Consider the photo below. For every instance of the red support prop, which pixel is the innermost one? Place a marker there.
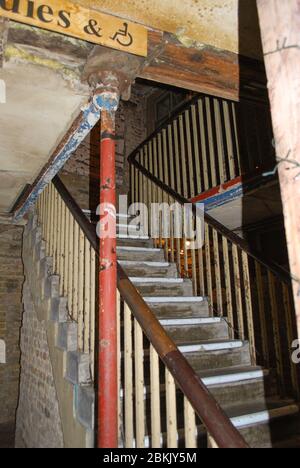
(107, 375)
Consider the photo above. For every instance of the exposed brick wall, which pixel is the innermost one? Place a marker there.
(11, 283)
(81, 172)
(38, 418)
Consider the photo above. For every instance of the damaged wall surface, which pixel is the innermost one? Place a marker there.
(38, 418)
(44, 94)
(11, 283)
(225, 24)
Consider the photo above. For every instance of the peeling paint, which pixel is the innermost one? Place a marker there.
(230, 25)
(88, 120)
(20, 54)
(43, 32)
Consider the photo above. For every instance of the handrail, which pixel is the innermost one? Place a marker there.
(277, 270)
(213, 417)
(179, 110)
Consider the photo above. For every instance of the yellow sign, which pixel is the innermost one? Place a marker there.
(76, 21)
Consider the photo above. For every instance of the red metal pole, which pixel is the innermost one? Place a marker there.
(108, 379)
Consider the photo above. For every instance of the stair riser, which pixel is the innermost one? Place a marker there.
(144, 256)
(240, 392)
(196, 333)
(219, 359)
(166, 289)
(267, 435)
(135, 243)
(183, 310)
(152, 272)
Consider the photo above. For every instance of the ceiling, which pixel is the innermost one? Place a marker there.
(43, 97)
(226, 24)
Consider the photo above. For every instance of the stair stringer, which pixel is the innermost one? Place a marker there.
(78, 431)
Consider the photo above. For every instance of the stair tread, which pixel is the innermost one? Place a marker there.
(211, 342)
(144, 263)
(227, 371)
(274, 407)
(138, 249)
(174, 299)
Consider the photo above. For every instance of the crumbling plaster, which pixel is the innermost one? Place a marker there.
(44, 94)
(225, 24)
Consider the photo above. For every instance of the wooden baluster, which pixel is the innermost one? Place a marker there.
(203, 144)
(132, 183)
(71, 259)
(59, 231)
(119, 357)
(172, 157)
(236, 137)
(208, 268)
(291, 333)
(178, 181)
(81, 291)
(190, 155)
(172, 438)
(139, 385)
(276, 330)
(155, 399)
(238, 291)
(262, 314)
(75, 274)
(62, 247)
(55, 233)
(166, 197)
(183, 174)
(220, 143)
(228, 285)
(196, 155)
(213, 170)
(229, 141)
(66, 252)
(193, 257)
(87, 295)
(93, 310)
(128, 371)
(51, 189)
(249, 307)
(218, 273)
(190, 428)
(48, 231)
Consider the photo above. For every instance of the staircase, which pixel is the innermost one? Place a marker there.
(155, 408)
(248, 393)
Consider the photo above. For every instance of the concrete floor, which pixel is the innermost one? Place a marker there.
(7, 436)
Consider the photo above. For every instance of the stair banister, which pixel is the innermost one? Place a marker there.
(219, 426)
(251, 291)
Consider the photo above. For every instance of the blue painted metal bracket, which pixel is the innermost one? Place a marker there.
(88, 119)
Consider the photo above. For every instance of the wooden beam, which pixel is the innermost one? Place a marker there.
(204, 70)
(280, 29)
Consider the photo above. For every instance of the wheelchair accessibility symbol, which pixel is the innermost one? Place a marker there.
(123, 37)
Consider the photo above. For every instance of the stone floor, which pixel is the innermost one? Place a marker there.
(7, 436)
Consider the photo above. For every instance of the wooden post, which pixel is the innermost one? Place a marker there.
(280, 29)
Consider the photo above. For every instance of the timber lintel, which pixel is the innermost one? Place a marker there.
(203, 69)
